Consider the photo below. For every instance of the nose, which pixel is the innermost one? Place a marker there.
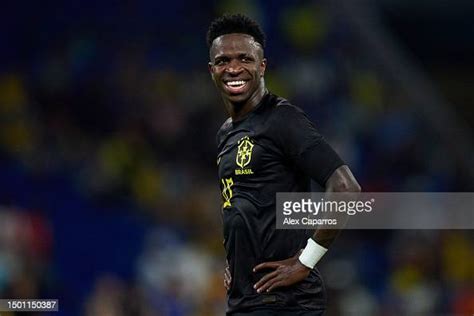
(234, 67)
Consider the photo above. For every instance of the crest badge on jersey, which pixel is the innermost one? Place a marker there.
(244, 155)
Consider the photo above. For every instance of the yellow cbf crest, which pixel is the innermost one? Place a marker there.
(244, 152)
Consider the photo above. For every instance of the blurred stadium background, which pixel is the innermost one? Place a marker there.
(109, 197)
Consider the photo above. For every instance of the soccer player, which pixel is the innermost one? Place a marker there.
(267, 146)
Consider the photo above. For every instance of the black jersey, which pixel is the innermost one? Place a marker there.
(275, 148)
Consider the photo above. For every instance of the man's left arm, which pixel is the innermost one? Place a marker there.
(342, 180)
(298, 267)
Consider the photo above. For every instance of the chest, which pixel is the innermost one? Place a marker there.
(247, 154)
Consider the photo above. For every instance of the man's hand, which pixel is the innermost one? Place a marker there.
(286, 272)
(227, 277)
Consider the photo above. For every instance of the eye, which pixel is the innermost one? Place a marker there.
(246, 59)
(220, 62)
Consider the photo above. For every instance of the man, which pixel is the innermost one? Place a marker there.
(266, 146)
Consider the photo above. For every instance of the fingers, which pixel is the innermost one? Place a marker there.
(262, 283)
(226, 284)
(274, 280)
(267, 265)
(227, 278)
(286, 272)
(276, 285)
(267, 280)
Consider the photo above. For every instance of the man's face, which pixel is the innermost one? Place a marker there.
(237, 66)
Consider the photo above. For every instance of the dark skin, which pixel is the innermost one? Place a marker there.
(238, 59)
(291, 271)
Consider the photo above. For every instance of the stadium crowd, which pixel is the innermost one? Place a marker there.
(103, 123)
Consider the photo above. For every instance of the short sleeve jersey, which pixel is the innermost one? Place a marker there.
(275, 148)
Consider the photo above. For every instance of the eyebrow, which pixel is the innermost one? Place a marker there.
(241, 54)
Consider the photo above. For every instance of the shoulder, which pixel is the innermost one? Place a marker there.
(284, 111)
(225, 127)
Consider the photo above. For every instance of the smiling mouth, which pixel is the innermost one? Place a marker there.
(235, 86)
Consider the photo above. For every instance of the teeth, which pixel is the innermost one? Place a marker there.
(236, 83)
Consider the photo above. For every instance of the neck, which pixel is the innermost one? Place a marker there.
(239, 110)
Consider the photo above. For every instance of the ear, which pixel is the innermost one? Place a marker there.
(263, 66)
(210, 66)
